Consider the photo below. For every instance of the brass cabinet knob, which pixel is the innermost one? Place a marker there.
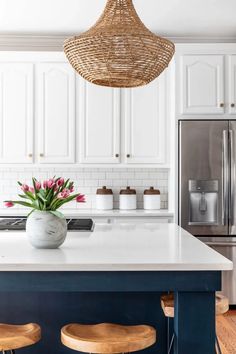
(222, 105)
(117, 155)
(232, 105)
(41, 155)
(30, 155)
(128, 155)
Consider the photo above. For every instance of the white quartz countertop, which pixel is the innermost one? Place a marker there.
(97, 213)
(119, 247)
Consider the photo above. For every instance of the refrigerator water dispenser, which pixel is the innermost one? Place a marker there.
(203, 202)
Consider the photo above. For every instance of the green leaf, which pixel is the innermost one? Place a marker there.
(20, 184)
(60, 202)
(30, 212)
(22, 196)
(44, 200)
(50, 196)
(57, 213)
(30, 195)
(34, 180)
(37, 205)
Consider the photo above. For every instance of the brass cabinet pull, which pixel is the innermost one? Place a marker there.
(117, 155)
(128, 155)
(30, 155)
(41, 155)
(232, 105)
(222, 105)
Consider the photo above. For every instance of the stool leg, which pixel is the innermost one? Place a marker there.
(171, 344)
(218, 349)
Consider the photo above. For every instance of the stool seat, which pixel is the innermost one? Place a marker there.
(107, 337)
(18, 336)
(167, 304)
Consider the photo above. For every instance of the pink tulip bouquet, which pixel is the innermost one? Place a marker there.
(47, 196)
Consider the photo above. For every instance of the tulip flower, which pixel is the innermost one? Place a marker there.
(80, 198)
(25, 187)
(48, 195)
(64, 194)
(37, 185)
(8, 204)
(51, 183)
(60, 182)
(45, 184)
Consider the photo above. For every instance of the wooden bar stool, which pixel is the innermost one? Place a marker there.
(107, 338)
(167, 304)
(14, 337)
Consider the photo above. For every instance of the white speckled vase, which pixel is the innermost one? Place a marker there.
(46, 230)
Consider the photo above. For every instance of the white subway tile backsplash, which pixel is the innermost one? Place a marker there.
(128, 175)
(87, 180)
(119, 183)
(98, 175)
(105, 182)
(113, 175)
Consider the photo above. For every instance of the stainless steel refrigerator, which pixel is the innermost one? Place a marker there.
(207, 187)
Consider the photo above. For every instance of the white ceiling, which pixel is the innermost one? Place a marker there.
(172, 18)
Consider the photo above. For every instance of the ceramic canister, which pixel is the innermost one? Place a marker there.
(128, 199)
(151, 199)
(104, 199)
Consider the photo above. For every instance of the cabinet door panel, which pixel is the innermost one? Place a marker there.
(56, 112)
(145, 123)
(16, 112)
(232, 84)
(202, 84)
(100, 124)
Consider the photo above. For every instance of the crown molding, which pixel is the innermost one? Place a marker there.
(202, 39)
(32, 42)
(55, 42)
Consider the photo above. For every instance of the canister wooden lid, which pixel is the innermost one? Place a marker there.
(104, 191)
(128, 191)
(151, 191)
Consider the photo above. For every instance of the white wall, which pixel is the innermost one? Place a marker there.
(208, 18)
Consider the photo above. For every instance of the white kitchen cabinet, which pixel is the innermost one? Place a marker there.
(50, 115)
(202, 84)
(145, 123)
(55, 112)
(99, 130)
(16, 112)
(232, 84)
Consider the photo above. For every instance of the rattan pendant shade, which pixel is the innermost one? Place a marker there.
(119, 51)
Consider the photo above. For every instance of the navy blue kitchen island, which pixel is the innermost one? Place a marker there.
(115, 274)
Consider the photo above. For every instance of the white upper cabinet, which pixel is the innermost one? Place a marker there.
(232, 84)
(201, 83)
(16, 112)
(145, 123)
(50, 115)
(99, 130)
(55, 112)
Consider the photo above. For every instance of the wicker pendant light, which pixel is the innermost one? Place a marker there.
(119, 51)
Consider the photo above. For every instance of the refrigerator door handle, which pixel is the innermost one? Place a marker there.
(223, 244)
(232, 178)
(225, 177)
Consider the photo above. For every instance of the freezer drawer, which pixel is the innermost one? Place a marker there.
(228, 278)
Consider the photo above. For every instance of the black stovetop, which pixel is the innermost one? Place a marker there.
(18, 224)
